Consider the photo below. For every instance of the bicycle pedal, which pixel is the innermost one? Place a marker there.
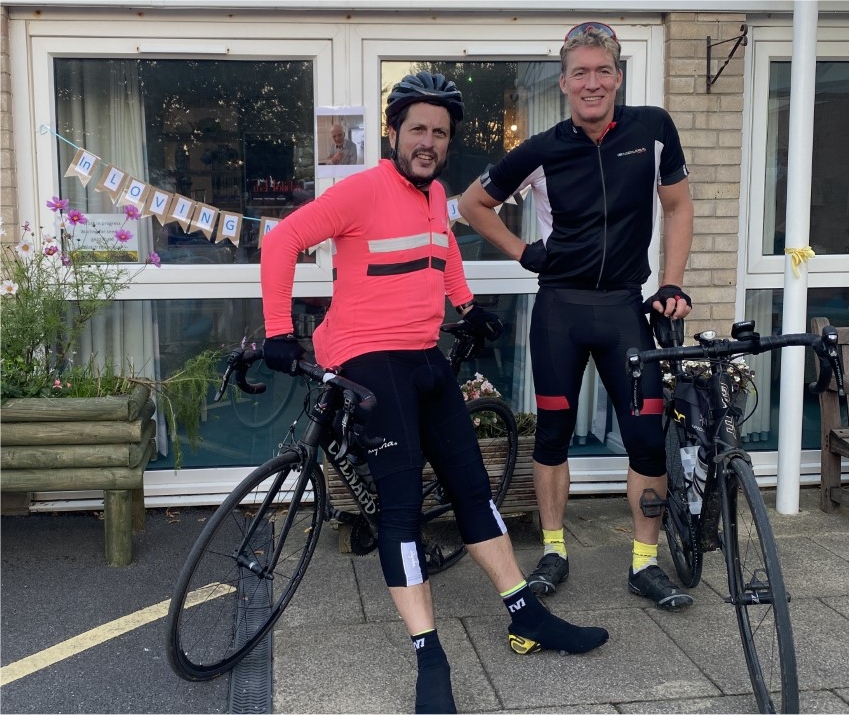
(651, 504)
(523, 646)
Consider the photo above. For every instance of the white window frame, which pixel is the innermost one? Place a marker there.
(39, 150)
(642, 48)
(759, 271)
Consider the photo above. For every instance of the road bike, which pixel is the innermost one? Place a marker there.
(254, 550)
(723, 508)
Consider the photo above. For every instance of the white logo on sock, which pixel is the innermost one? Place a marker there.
(516, 606)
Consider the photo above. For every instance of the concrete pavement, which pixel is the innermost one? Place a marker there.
(340, 647)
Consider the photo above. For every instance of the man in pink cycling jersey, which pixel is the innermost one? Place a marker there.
(396, 259)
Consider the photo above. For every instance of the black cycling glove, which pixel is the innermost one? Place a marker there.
(534, 256)
(483, 323)
(663, 294)
(282, 353)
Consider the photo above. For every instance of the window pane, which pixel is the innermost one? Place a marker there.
(765, 307)
(505, 103)
(829, 228)
(235, 135)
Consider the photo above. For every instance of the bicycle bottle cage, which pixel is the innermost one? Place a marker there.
(668, 333)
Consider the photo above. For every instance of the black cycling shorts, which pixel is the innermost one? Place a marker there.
(421, 413)
(567, 327)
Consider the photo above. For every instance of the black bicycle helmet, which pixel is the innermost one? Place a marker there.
(424, 87)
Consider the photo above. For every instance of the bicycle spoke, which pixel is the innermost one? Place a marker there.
(230, 592)
(758, 593)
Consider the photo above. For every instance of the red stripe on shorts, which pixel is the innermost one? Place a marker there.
(552, 402)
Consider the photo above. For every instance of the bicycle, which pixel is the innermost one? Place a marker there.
(253, 552)
(704, 417)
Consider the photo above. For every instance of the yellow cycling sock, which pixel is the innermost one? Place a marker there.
(643, 555)
(552, 542)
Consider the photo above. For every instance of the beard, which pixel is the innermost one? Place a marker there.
(419, 179)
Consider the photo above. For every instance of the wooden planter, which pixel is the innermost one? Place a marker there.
(77, 443)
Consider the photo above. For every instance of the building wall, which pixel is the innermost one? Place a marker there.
(8, 171)
(711, 126)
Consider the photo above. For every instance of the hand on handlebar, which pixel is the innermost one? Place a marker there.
(680, 306)
(483, 323)
(282, 353)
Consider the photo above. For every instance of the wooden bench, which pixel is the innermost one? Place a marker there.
(834, 431)
(520, 498)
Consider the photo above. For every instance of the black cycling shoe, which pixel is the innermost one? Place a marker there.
(652, 583)
(551, 570)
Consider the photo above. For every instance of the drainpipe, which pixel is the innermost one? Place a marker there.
(801, 140)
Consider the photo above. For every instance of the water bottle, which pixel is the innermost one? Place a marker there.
(696, 489)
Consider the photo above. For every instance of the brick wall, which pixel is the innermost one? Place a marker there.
(710, 125)
(8, 173)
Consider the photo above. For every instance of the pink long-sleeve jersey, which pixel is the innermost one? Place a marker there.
(395, 260)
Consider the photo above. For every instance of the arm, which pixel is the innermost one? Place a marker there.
(677, 238)
(478, 208)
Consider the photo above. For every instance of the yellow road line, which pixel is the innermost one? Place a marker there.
(96, 636)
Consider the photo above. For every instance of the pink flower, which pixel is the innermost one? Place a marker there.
(66, 259)
(56, 204)
(26, 227)
(123, 235)
(51, 249)
(57, 384)
(131, 212)
(154, 259)
(75, 217)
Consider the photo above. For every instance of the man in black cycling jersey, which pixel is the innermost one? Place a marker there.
(395, 261)
(596, 179)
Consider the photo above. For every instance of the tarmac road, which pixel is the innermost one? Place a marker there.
(57, 587)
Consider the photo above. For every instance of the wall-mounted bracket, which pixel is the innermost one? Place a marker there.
(740, 40)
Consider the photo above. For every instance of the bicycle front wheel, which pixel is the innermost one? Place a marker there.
(758, 593)
(498, 437)
(678, 523)
(233, 586)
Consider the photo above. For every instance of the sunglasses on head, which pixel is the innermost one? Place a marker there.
(584, 26)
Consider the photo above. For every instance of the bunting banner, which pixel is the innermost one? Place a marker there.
(112, 182)
(266, 223)
(135, 193)
(181, 211)
(83, 166)
(204, 218)
(229, 227)
(158, 203)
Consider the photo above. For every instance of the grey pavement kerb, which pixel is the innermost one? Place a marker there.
(340, 646)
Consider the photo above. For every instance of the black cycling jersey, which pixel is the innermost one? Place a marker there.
(603, 195)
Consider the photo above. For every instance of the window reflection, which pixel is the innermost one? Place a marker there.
(235, 135)
(829, 234)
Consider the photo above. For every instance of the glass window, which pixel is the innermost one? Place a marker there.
(505, 103)
(236, 135)
(766, 307)
(829, 228)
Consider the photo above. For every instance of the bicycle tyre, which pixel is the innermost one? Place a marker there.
(220, 610)
(443, 545)
(758, 592)
(679, 524)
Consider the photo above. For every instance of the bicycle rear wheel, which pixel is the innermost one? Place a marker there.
(758, 593)
(231, 591)
(678, 523)
(499, 442)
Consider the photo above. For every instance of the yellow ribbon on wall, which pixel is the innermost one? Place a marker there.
(799, 256)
